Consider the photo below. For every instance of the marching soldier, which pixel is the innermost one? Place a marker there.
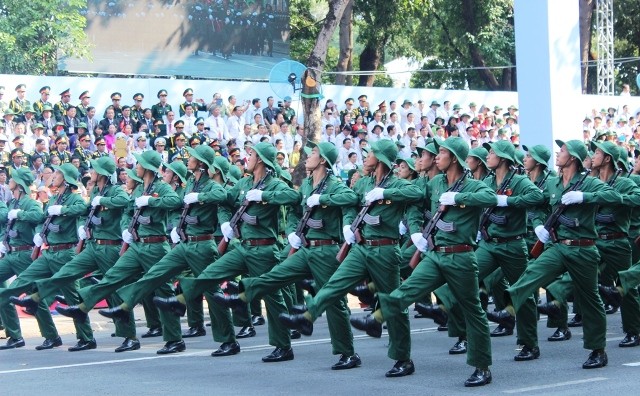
(60, 108)
(159, 110)
(38, 106)
(18, 104)
(153, 199)
(572, 250)
(101, 247)
(376, 254)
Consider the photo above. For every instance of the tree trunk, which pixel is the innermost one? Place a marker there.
(346, 43)
(477, 59)
(506, 79)
(311, 79)
(586, 15)
(369, 61)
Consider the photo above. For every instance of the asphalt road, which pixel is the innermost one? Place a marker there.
(194, 372)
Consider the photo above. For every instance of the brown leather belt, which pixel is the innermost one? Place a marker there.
(199, 238)
(108, 242)
(380, 242)
(505, 240)
(321, 242)
(20, 248)
(153, 239)
(613, 235)
(453, 249)
(62, 246)
(259, 242)
(577, 242)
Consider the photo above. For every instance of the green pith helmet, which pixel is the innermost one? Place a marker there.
(179, 169)
(623, 159)
(69, 172)
(411, 163)
(385, 151)
(150, 160)
(266, 152)
(480, 153)
(455, 145)
(609, 148)
(133, 176)
(503, 149)
(327, 150)
(203, 153)
(575, 148)
(103, 166)
(222, 164)
(234, 174)
(23, 177)
(541, 154)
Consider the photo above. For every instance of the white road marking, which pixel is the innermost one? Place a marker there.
(556, 385)
(634, 364)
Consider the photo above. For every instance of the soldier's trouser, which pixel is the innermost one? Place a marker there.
(137, 260)
(511, 257)
(582, 265)
(253, 259)
(93, 257)
(44, 267)
(381, 265)
(316, 262)
(495, 284)
(460, 271)
(14, 263)
(193, 255)
(151, 313)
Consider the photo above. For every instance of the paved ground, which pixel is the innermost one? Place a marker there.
(28, 372)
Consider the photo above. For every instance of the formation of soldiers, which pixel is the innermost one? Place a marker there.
(459, 223)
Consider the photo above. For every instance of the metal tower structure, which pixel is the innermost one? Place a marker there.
(604, 37)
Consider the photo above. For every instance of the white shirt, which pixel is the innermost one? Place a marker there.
(374, 123)
(250, 113)
(330, 138)
(235, 126)
(189, 127)
(217, 128)
(287, 139)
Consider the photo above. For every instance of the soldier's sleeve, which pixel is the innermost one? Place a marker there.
(75, 206)
(127, 214)
(597, 192)
(215, 194)
(349, 213)
(403, 191)
(115, 199)
(415, 212)
(294, 214)
(339, 195)
(539, 215)
(280, 194)
(166, 199)
(478, 194)
(526, 194)
(629, 191)
(31, 213)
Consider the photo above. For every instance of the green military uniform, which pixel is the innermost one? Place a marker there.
(84, 155)
(38, 106)
(318, 258)
(575, 250)
(101, 251)
(81, 109)
(60, 109)
(194, 253)
(61, 238)
(379, 255)
(18, 106)
(257, 253)
(158, 111)
(65, 156)
(146, 251)
(459, 270)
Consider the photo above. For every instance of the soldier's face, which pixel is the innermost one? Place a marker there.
(444, 159)
(404, 171)
(493, 161)
(563, 157)
(139, 170)
(167, 176)
(93, 176)
(636, 165)
(599, 159)
(472, 163)
(253, 160)
(371, 162)
(58, 179)
(193, 164)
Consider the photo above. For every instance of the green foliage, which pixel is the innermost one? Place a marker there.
(627, 43)
(36, 33)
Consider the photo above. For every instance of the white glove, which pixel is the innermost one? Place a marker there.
(82, 233)
(542, 234)
(448, 198)
(572, 197)
(13, 214)
(3, 249)
(54, 210)
(375, 195)
(175, 238)
(402, 228)
(127, 237)
(191, 198)
(349, 236)
(254, 195)
(419, 241)
(502, 200)
(143, 201)
(294, 240)
(37, 240)
(478, 236)
(227, 231)
(96, 201)
(313, 200)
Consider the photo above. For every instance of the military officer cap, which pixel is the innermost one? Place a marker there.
(327, 150)
(385, 151)
(162, 92)
(116, 96)
(23, 177)
(362, 97)
(178, 123)
(103, 166)
(266, 152)
(194, 139)
(16, 152)
(19, 86)
(69, 172)
(609, 148)
(157, 122)
(503, 149)
(138, 96)
(160, 142)
(38, 126)
(199, 121)
(82, 125)
(45, 89)
(411, 163)
(575, 148)
(66, 92)
(100, 140)
(187, 91)
(28, 109)
(383, 104)
(348, 101)
(141, 137)
(214, 142)
(150, 160)
(132, 174)
(288, 99)
(457, 146)
(221, 164)
(61, 138)
(204, 154)
(480, 153)
(83, 95)
(540, 153)
(47, 108)
(3, 137)
(177, 167)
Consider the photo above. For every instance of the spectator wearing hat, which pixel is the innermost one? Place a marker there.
(200, 129)
(179, 152)
(382, 108)
(433, 112)
(348, 111)
(17, 160)
(363, 109)
(101, 148)
(82, 150)
(9, 123)
(137, 110)
(216, 124)
(406, 108)
(159, 110)
(511, 126)
(83, 107)
(18, 104)
(60, 108)
(160, 145)
(116, 97)
(60, 150)
(288, 113)
(196, 106)
(39, 104)
(29, 120)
